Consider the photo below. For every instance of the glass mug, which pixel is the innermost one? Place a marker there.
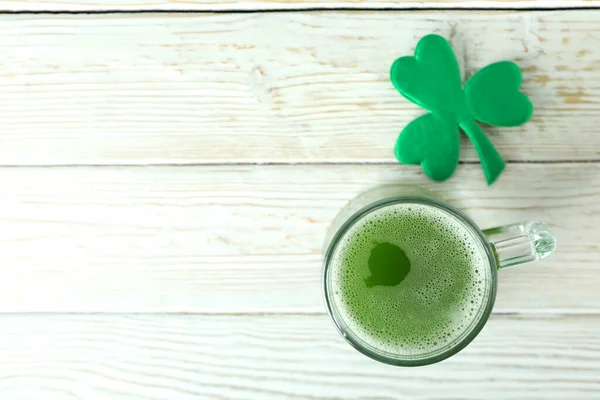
(495, 249)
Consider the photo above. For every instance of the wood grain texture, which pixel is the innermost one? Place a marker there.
(64, 357)
(250, 239)
(230, 5)
(218, 88)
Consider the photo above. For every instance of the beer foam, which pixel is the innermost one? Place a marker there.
(440, 299)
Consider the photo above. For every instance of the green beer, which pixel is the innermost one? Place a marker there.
(409, 279)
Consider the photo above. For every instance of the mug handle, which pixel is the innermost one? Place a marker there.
(520, 243)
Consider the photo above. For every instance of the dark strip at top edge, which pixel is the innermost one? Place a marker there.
(300, 9)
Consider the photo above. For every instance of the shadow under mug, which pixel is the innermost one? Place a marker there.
(503, 247)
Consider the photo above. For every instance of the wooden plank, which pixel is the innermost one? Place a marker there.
(216, 88)
(250, 239)
(231, 5)
(63, 357)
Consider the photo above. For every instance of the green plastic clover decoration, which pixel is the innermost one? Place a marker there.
(431, 79)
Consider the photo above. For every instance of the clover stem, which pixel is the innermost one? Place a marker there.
(491, 161)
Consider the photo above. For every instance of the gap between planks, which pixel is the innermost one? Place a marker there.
(220, 6)
(533, 314)
(274, 163)
(465, 9)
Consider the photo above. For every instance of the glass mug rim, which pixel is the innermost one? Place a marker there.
(452, 348)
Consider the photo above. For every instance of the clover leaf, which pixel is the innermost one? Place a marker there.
(431, 79)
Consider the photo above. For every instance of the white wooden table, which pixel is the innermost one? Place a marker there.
(167, 180)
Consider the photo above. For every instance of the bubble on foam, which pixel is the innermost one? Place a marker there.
(403, 319)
